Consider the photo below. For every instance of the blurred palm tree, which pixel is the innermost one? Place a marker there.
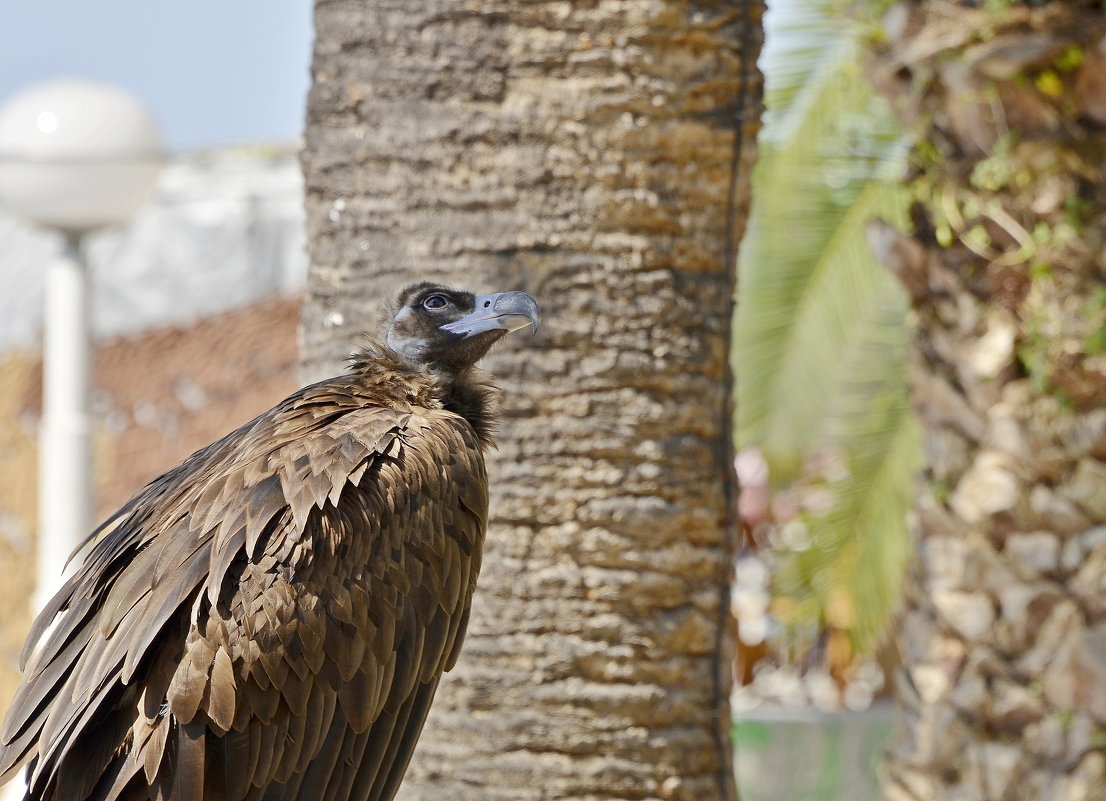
(829, 445)
(1002, 636)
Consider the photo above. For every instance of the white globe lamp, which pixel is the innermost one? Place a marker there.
(77, 155)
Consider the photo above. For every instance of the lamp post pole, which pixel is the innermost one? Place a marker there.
(65, 451)
(75, 156)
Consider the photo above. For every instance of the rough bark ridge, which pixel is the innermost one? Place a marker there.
(1004, 631)
(582, 152)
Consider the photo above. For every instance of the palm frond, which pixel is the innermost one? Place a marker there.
(806, 273)
(860, 546)
(819, 341)
(800, 36)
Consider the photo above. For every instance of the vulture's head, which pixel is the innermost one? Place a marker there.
(450, 329)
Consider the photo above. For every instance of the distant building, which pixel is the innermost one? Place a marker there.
(196, 310)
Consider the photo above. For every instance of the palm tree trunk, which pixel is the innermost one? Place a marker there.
(596, 155)
(1003, 639)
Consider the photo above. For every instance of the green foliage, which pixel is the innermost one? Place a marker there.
(751, 733)
(1071, 59)
(1094, 311)
(995, 172)
(819, 342)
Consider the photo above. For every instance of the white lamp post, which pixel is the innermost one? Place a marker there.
(75, 156)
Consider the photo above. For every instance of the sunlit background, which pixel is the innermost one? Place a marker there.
(195, 309)
(213, 72)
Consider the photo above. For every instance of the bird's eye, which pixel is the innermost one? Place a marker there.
(434, 302)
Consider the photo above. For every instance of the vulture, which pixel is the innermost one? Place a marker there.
(269, 620)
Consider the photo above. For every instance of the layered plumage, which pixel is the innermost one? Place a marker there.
(270, 619)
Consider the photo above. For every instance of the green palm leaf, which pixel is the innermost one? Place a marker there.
(860, 546)
(819, 341)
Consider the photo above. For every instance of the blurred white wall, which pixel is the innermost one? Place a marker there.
(225, 230)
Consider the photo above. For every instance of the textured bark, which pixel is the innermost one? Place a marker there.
(1003, 639)
(597, 156)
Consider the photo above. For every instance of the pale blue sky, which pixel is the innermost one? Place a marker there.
(212, 71)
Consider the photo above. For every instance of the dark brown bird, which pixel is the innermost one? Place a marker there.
(269, 620)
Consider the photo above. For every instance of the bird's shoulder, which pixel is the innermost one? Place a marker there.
(301, 452)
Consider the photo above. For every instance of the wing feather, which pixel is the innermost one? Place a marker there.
(404, 741)
(186, 691)
(325, 770)
(231, 753)
(155, 749)
(166, 599)
(189, 768)
(222, 691)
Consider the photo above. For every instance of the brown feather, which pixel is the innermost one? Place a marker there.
(322, 772)
(118, 782)
(270, 749)
(186, 691)
(155, 749)
(358, 696)
(402, 747)
(229, 755)
(188, 778)
(221, 692)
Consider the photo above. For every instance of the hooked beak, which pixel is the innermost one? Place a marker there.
(504, 311)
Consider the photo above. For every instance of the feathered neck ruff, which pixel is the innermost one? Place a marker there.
(467, 393)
